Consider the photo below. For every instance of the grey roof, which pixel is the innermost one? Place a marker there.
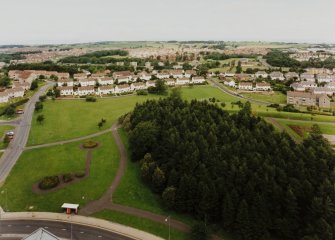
(41, 234)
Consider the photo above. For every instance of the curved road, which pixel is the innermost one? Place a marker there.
(60, 229)
(15, 148)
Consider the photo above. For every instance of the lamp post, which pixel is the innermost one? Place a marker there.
(168, 218)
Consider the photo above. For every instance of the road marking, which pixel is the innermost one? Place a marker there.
(46, 227)
(63, 229)
(99, 236)
(9, 225)
(27, 226)
(81, 232)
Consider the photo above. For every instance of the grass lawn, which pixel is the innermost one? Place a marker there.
(158, 229)
(67, 119)
(133, 192)
(276, 97)
(35, 164)
(3, 130)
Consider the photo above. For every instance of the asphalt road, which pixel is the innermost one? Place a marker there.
(60, 229)
(15, 148)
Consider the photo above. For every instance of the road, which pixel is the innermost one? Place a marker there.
(60, 229)
(231, 93)
(15, 148)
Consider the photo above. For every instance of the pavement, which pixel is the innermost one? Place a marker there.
(83, 228)
(16, 146)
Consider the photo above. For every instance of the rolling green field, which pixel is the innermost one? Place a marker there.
(276, 97)
(157, 229)
(67, 119)
(34, 164)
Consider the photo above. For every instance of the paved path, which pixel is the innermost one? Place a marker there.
(69, 141)
(16, 146)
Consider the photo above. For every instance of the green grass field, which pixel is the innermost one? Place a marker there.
(158, 229)
(67, 119)
(34, 164)
(276, 97)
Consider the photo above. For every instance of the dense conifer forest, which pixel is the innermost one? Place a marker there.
(234, 170)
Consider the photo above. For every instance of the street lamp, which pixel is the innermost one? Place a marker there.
(168, 218)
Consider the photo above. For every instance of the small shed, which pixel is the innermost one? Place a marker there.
(69, 207)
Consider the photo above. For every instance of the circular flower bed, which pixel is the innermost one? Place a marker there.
(90, 144)
(48, 182)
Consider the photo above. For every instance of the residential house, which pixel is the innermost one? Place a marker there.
(97, 75)
(15, 92)
(314, 71)
(322, 77)
(331, 85)
(86, 90)
(177, 73)
(79, 76)
(307, 77)
(87, 82)
(145, 76)
(3, 97)
(242, 77)
(277, 76)
(66, 91)
(22, 76)
(124, 88)
(170, 82)
(138, 86)
(163, 74)
(106, 90)
(228, 74)
(245, 86)
(230, 83)
(65, 82)
(105, 81)
(308, 99)
(298, 87)
(292, 75)
(62, 75)
(182, 81)
(198, 80)
(323, 90)
(150, 83)
(25, 85)
(308, 84)
(190, 73)
(123, 76)
(263, 86)
(261, 74)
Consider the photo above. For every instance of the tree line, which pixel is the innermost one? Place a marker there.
(234, 170)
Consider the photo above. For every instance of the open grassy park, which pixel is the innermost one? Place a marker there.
(16, 194)
(275, 97)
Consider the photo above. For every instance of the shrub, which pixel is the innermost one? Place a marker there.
(67, 177)
(90, 99)
(43, 98)
(142, 92)
(199, 231)
(90, 144)
(48, 182)
(80, 174)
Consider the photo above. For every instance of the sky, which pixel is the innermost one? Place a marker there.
(73, 21)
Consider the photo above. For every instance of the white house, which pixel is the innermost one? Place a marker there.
(3, 97)
(308, 84)
(163, 74)
(138, 86)
(105, 81)
(228, 74)
(64, 82)
(263, 86)
(182, 81)
(150, 83)
(66, 91)
(331, 85)
(198, 80)
(123, 76)
(105, 90)
(307, 77)
(122, 88)
(323, 90)
(15, 92)
(170, 82)
(261, 74)
(177, 73)
(245, 86)
(87, 82)
(230, 83)
(292, 75)
(325, 78)
(298, 87)
(190, 73)
(145, 76)
(80, 76)
(277, 76)
(25, 85)
(86, 90)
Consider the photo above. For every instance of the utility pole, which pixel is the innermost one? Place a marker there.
(169, 219)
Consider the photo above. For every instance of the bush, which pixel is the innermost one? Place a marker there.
(90, 144)
(80, 174)
(10, 111)
(38, 106)
(199, 232)
(142, 92)
(43, 98)
(90, 99)
(67, 177)
(49, 182)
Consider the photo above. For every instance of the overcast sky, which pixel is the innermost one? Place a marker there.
(69, 21)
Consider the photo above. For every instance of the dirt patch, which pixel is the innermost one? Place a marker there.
(300, 130)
